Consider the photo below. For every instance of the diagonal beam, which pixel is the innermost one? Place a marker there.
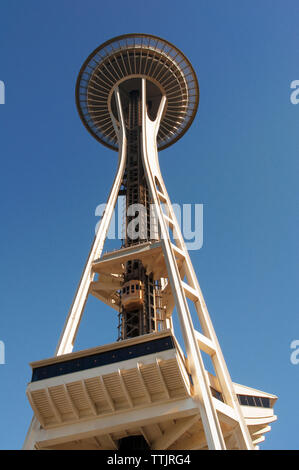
(97, 443)
(143, 432)
(71, 402)
(143, 382)
(88, 398)
(112, 442)
(68, 335)
(162, 378)
(106, 393)
(195, 442)
(124, 389)
(169, 437)
(35, 409)
(54, 407)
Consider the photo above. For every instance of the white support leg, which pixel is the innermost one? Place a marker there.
(160, 195)
(149, 154)
(66, 341)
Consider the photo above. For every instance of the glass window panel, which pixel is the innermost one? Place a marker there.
(266, 402)
(243, 400)
(258, 401)
(250, 401)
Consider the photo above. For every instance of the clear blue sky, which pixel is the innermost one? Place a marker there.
(240, 159)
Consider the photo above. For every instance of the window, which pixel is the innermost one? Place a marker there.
(249, 400)
(258, 401)
(242, 400)
(216, 394)
(265, 401)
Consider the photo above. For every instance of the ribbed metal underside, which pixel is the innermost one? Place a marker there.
(142, 56)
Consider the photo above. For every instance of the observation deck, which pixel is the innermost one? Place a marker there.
(131, 57)
(90, 399)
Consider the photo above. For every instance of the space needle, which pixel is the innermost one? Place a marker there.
(137, 94)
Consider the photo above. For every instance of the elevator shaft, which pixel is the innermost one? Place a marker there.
(139, 292)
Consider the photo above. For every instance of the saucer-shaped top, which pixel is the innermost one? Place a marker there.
(132, 56)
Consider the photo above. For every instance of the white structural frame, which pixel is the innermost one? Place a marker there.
(68, 336)
(183, 283)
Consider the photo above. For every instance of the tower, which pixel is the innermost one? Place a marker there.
(138, 94)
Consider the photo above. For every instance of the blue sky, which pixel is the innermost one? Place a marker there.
(239, 159)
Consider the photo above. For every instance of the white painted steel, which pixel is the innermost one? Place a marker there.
(68, 336)
(209, 408)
